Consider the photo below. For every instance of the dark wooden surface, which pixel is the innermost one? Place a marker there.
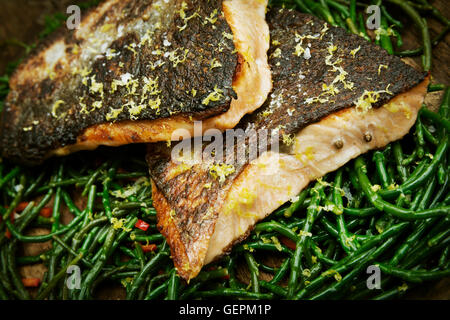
(22, 20)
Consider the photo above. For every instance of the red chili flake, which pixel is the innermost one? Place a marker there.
(148, 247)
(142, 225)
(288, 242)
(31, 282)
(46, 212)
(7, 232)
(21, 206)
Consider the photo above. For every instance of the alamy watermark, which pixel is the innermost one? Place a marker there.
(233, 146)
(374, 19)
(374, 280)
(74, 19)
(372, 22)
(74, 279)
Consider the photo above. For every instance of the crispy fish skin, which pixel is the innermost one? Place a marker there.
(256, 192)
(252, 84)
(150, 66)
(190, 200)
(187, 200)
(362, 66)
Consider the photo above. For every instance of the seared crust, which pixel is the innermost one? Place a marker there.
(169, 230)
(187, 210)
(131, 60)
(298, 80)
(299, 98)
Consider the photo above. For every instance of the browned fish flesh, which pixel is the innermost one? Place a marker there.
(135, 71)
(328, 85)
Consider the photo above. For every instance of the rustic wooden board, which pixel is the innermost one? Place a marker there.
(22, 20)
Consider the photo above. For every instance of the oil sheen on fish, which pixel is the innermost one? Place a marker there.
(135, 71)
(328, 85)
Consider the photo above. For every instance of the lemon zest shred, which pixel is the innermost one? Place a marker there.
(355, 51)
(381, 66)
(215, 64)
(277, 243)
(216, 95)
(221, 171)
(55, 107)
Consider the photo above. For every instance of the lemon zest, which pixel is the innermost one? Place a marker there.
(221, 171)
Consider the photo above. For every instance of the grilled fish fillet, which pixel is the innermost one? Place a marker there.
(328, 86)
(135, 71)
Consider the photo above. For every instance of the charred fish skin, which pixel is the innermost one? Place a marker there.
(301, 62)
(130, 60)
(187, 200)
(317, 71)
